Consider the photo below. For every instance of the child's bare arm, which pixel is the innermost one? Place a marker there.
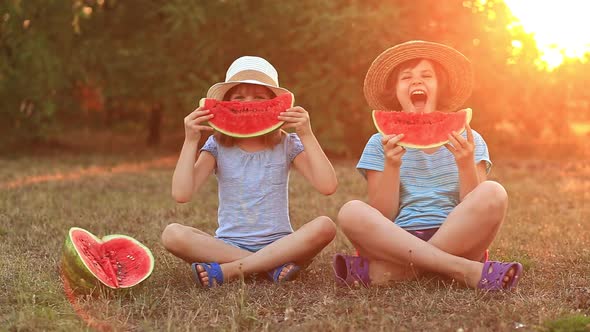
(383, 190)
(470, 174)
(383, 187)
(188, 174)
(312, 162)
(316, 168)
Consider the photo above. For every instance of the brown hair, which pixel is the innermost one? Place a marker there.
(269, 140)
(442, 80)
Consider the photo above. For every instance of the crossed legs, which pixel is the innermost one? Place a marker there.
(453, 251)
(299, 247)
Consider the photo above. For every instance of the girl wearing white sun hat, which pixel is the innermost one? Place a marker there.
(250, 70)
(427, 210)
(255, 233)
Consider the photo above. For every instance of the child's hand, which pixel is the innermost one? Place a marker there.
(192, 124)
(462, 149)
(393, 152)
(298, 118)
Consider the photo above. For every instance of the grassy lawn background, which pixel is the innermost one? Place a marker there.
(547, 229)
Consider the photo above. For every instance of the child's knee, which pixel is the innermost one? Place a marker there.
(326, 229)
(171, 235)
(496, 195)
(348, 213)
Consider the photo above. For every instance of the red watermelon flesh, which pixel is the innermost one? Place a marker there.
(421, 130)
(117, 261)
(247, 118)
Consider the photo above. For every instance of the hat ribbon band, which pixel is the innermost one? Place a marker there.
(252, 75)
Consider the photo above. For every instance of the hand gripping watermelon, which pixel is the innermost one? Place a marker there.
(421, 130)
(115, 261)
(247, 118)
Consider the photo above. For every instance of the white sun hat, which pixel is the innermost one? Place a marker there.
(248, 69)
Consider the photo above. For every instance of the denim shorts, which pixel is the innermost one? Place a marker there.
(250, 248)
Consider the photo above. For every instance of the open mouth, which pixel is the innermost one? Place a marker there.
(418, 98)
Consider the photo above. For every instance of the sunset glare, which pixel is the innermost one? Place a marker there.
(561, 29)
(88, 172)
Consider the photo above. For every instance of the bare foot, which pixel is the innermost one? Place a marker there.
(284, 271)
(382, 272)
(284, 274)
(204, 277)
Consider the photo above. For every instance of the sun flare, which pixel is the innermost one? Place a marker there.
(561, 29)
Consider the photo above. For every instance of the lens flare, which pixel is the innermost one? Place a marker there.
(561, 29)
(89, 172)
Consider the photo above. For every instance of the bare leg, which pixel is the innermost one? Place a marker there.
(298, 247)
(193, 245)
(394, 254)
(390, 249)
(472, 226)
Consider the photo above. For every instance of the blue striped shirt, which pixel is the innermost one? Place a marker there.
(429, 183)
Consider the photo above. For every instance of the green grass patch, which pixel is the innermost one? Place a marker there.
(576, 323)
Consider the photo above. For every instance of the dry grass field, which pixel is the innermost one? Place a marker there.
(41, 197)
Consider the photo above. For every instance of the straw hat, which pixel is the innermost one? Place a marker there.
(248, 69)
(457, 66)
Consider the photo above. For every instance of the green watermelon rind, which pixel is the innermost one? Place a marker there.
(74, 267)
(254, 134)
(433, 145)
(80, 276)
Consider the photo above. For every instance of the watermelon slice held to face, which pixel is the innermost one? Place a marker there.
(115, 261)
(247, 118)
(421, 130)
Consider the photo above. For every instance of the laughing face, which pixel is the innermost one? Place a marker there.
(417, 88)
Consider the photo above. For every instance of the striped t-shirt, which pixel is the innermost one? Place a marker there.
(429, 183)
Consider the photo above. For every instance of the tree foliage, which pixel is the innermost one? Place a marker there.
(135, 54)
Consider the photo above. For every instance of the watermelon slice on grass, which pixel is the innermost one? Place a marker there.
(247, 118)
(115, 261)
(421, 130)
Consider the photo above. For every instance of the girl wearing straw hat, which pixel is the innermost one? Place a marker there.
(254, 233)
(445, 213)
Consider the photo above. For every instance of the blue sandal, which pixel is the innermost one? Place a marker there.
(275, 273)
(213, 273)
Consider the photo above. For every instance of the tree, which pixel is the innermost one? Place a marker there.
(35, 48)
(160, 57)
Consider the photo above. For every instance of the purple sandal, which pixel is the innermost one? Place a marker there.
(349, 270)
(492, 280)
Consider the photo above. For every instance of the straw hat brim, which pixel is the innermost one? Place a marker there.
(457, 66)
(218, 91)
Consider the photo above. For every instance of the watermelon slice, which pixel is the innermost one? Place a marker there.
(115, 261)
(421, 130)
(247, 118)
